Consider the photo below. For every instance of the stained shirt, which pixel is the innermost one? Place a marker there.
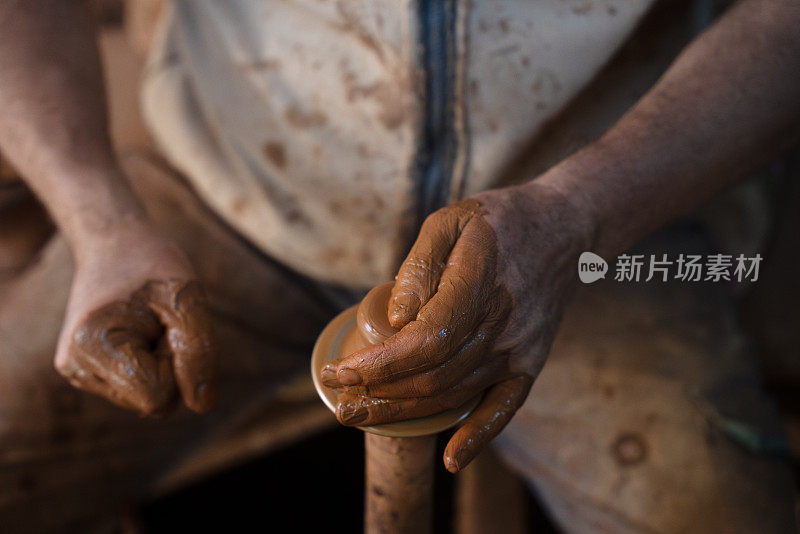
(325, 131)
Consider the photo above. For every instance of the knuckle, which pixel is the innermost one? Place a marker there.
(393, 410)
(423, 385)
(151, 405)
(455, 397)
(72, 370)
(148, 408)
(380, 411)
(391, 361)
(448, 402)
(434, 219)
(438, 341)
(384, 368)
(427, 384)
(417, 276)
(64, 367)
(421, 266)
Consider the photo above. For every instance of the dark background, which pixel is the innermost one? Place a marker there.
(317, 485)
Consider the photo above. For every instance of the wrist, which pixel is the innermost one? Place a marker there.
(96, 208)
(589, 183)
(110, 234)
(570, 203)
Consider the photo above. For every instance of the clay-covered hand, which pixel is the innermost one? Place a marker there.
(478, 298)
(137, 329)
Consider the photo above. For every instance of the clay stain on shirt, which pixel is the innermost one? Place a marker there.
(302, 119)
(276, 154)
(629, 449)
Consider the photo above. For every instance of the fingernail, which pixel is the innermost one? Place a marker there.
(205, 396)
(404, 309)
(328, 375)
(348, 377)
(200, 391)
(450, 464)
(351, 413)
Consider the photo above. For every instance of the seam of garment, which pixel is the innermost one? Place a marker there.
(437, 148)
(460, 100)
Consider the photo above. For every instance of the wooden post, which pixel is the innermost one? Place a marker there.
(398, 496)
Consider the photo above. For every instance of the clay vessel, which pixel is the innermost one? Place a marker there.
(366, 324)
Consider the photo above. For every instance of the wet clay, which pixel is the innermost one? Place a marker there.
(372, 325)
(142, 352)
(353, 330)
(371, 318)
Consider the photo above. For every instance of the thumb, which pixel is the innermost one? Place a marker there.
(419, 275)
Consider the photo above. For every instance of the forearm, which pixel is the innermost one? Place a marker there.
(53, 121)
(729, 102)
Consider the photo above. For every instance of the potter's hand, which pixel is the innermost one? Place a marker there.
(137, 329)
(479, 298)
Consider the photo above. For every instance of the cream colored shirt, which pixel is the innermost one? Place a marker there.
(324, 131)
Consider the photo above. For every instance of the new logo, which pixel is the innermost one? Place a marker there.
(591, 267)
